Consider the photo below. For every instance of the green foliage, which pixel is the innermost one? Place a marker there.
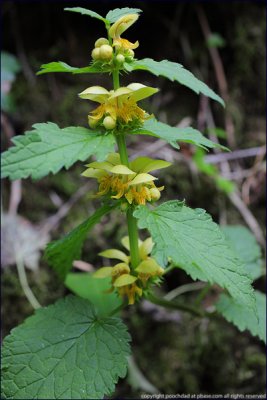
(60, 66)
(174, 72)
(197, 245)
(9, 69)
(244, 318)
(64, 351)
(113, 15)
(60, 254)
(246, 247)
(95, 290)
(215, 40)
(85, 11)
(173, 135)
(48, 149)
(211, 170)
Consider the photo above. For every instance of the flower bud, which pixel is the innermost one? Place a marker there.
(101, 41)
(95, 54)
(130, 53)
(106, 52)
(109, 123)
(92, 122)
(120, 59)
(155, 194)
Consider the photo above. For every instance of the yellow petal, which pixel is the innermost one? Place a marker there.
(122, 170)
(114, 253)
(122, 24)
(140, 92)
(142, 178)
(122, 91)
(93, 173)
(146, 164)
(126, 242)
(123, 280)
(149, 267)
(114, 158)
(104, 165)
(95, 93)
(125, 44)
(145, 248)
(103, 272)
(120, 268)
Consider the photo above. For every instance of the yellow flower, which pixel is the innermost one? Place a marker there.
(135, 184)
(120, 105)
(130, 283)
(119, 27)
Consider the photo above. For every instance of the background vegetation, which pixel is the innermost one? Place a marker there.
(223, 43)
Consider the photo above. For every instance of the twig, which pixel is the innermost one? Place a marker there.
(15, 196)
(220, 75)
(52, 222)
(234, 155)
(25, 285)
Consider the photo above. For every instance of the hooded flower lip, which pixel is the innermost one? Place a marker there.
(120, 105)
(134, 183)
(127, 282)
(119, 27)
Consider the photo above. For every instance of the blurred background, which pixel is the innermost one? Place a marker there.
(223, 44)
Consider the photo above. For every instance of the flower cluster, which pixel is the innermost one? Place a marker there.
(132, 183)
(131, 283)
(116, 50)
(117, 107)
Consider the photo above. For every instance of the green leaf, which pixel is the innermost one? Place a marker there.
(242, 241)
(171, 134)
(61, 253)
(85, 11)
(197, 245)
(48, 149)
(245, 318)
(64, 351)
(95, 290)
(174, 72)
(113, 15)
(60, 66)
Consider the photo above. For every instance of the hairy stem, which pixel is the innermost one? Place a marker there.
(175, 305)
(131, 220)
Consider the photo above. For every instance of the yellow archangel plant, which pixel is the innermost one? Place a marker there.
(129, 182)
(75, 329)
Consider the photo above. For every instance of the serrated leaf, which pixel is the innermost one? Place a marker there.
(64, 351)
(173, 135)
(48, 149)
(174, 72)
(244, 318)
(246, 247)
(85, 11)
(95, 290)
(61, 253)
(197, 245)
(60, 66)
(113, 15)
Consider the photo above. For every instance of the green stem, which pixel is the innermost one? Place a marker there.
(133, 238)
(175, 305)
(131, 220)
(120, 139)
